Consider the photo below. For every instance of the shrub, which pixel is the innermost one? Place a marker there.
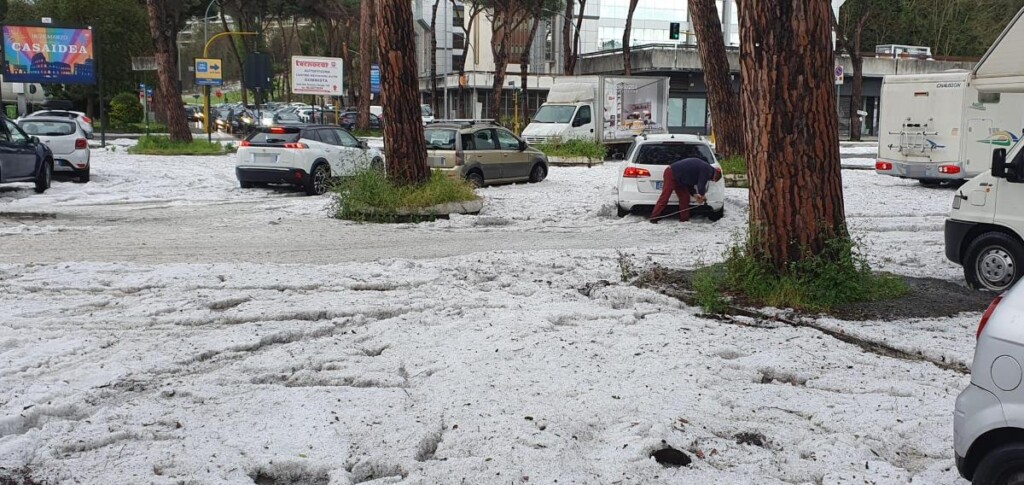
(162, 145)
(838, 276)
(734, 165)
(370, 195)
(125, 109)
(589, 149)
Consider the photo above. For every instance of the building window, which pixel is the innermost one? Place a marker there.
(696, 112)
(988, 98)
(675, 112)
(456, 61)
(458, 40)
(458, 15)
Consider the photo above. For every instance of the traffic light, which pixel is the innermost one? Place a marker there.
(673, 31)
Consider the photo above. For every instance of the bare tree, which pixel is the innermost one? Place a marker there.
(506, 17)
(433, 57)
(165, 17)
(862, 11)
(724, 102)
(470, 20)
(791, 125)
(404, 144)
(627, 33)
(571, 36)
(524, 62)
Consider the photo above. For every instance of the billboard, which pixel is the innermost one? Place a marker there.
(317, 75)
(55, 55)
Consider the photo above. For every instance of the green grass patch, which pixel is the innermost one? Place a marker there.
(367, 133)
(573, 148)
(370, 196)
(837, 277)
(162, 145)
(734, 165)
(131, 128)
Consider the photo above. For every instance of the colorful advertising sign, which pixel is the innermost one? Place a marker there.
(53, 55)
(209, 72)
(317, 75)
(375, 79)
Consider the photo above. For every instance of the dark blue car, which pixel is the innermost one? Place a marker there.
(23, 158)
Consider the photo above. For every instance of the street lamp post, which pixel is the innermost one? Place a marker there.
(206, 22)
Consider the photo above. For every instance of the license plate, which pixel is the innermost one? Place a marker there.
(658, 185)
(264, 158)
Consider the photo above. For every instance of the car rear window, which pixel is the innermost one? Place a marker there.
(268, 138)
(440, 139)
(667, 153)
(48, 128)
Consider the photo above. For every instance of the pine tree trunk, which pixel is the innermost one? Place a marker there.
(502, 35)
(857, 102)
(433, 57)
(162, 25)
(567, 65)
(792, 128)
(524, 67)
(726, 116)
(404, 145)
(366, 23)
(627, 33)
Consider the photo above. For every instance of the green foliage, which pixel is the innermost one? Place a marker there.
(162, 145)
(589, 149)
(949, 27)
(838, 276)
(370, 191)
(125, 109)
(734, 165)
(367, 133)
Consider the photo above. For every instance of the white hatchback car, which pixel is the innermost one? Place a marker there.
(641, 179)
(84, 121)
(66, 139)
(306, 156)
(988, 423)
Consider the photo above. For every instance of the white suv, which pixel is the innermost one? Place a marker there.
(988, 424)
(642, 176)
(306, 156)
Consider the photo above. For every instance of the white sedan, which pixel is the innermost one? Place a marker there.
(306, 156)
(83, 121)
(66, 139)
(641, 179)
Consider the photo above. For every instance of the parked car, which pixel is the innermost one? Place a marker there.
(988, 422)
(67, 142)
(24, 158)
(306, 156)
(427, 113)
(642, 176)
(84, 121)
(483, 153)
(348, 120)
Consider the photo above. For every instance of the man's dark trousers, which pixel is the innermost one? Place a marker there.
(667, 188)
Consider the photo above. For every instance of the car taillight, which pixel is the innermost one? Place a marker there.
(460, 157)
(246, 143)
(633, 172)
(949, 169)
(883, 166)
(988, 314)
(81, 144)
(87, 119)
(297, 146)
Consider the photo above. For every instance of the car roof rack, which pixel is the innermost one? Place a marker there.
(464, 122)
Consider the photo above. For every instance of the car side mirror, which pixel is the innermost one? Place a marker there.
(35, 140)
(577, 123)
(999, 163)
(618, 156)
(363, 144)
(522, 145)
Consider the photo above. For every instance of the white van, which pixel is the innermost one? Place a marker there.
(939, 127)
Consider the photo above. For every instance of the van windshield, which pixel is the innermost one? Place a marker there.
(554, 114)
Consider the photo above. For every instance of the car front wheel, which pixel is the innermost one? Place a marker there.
(538, 173)
(993, 262)
(1001, 466)
(45, 177)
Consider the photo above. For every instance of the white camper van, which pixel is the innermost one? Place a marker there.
(985, 230)
(939, 127)
(611, 110)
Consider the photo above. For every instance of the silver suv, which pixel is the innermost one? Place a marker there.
(988, 425)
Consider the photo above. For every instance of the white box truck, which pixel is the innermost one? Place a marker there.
(939, 127)
(985, 229)
(610, 110)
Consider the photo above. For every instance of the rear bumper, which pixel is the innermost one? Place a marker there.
(452, 173)
(977, 411)
(955, 233)
(71, 162)
(270, 175)
(923, 170)
(695, 210)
